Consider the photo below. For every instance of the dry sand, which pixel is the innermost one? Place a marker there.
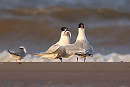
(65, 74)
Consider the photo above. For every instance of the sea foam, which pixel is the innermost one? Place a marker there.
(112, 57)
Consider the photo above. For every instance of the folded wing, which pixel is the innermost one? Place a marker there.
(53, 48)
(47, 55)
(80, 48)
(50, 53)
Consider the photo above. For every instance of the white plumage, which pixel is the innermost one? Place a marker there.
(57, 51)
(81, 47)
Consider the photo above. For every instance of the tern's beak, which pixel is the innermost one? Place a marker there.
(68, 33)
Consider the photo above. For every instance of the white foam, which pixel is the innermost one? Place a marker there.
(113, 57)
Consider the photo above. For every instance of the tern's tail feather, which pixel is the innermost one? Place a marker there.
(11, 52)
(47, 55)
(8, 51)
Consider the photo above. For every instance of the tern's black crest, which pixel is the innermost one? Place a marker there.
(81, 25)
(20, 48)
(64, 29)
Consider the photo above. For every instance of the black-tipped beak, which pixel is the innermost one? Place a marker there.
(69, 33)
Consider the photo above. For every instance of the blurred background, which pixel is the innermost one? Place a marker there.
(36, 24)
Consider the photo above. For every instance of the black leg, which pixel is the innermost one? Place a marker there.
(60, 59)
(77, 59)
(84, 59)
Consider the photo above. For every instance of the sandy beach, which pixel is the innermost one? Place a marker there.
(65, 74)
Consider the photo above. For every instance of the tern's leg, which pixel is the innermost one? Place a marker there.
(60, 59)
(77, 59)
(16, 61)
(84, 59)
(19, 62)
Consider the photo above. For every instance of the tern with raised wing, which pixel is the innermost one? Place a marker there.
(57, 51)
(18, 55)
(81, 47)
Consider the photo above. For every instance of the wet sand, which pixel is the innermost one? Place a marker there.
(65, 74)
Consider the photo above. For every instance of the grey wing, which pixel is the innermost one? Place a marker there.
(72, 48)
(20, 53)
(78, 47)
(13, 52)
(91, 51)
(86, 45)
(53, 48)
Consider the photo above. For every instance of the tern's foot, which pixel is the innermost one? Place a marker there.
(60, 59)
(19, 62)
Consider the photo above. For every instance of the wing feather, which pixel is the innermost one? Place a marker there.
(78, 46)
(47, 55)
(53, 48)
(72, 48)
(13, 52)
